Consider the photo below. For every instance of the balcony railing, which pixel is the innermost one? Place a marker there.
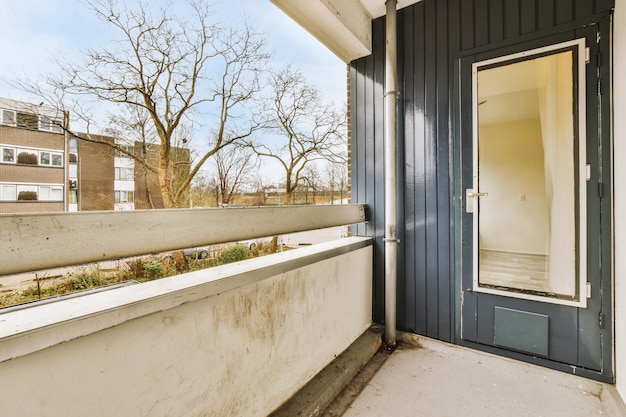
(237, 339)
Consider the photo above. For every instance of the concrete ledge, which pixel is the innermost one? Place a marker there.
(42, 326)
(318, 393)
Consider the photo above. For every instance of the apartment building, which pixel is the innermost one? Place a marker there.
(34, 163)
(44, 168)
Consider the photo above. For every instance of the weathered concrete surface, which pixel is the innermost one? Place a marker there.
(311, 400)
(441, 380)
(234, 340)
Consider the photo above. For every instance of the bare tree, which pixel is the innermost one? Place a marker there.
(163, 64)
(306, 128)
(336, 180)
(232, 166)
(204, 191)
(262, 185)
(311, 181)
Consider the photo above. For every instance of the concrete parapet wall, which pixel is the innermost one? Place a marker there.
(236, 340)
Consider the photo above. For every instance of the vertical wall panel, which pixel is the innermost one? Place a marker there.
(528, 16)
(563, 11)
(545, 14)
(419, 91)
(496, 26)
(407, 109)
(511, 18)
(583, 8)
(430, 166)
(481, 19)
(444, 138)
(434, 34)
(467, 24)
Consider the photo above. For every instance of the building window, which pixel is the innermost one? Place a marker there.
(73, 145)
(50, 125)
(27, 120)
(73, 197)
(18, 192)
(8, 155)
(7, 192)
(51, 158)
(124, 196)
(26, 157)
(27, 193)
(128, 148)
(50, 193)
(8, 117)
(73, 171)
(57, 160)
(124, 174)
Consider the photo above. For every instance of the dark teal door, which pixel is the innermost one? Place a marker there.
(535, 203)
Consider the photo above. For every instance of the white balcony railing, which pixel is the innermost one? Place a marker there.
(237, 339)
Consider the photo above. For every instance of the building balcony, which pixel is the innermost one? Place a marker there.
(234, 340)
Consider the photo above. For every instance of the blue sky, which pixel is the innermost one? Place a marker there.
(32, 32)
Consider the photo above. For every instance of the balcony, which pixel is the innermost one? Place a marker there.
(201, 343)
(234, 340)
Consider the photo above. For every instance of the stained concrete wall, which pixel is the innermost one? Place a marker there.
(235, 340)
(619, 110)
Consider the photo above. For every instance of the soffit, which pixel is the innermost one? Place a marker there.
(344, 26)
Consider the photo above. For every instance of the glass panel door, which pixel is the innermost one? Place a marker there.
(528, 194)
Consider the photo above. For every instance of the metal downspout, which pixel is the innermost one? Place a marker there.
(391, 193)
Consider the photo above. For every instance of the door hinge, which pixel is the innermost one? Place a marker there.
(587, 55)
(601, 320)
(589, 290)
(588, 172)
(462, 298)
(600, 189)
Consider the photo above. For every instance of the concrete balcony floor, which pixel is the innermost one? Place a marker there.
(431, 378)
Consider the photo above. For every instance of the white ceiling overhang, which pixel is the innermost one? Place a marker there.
(344, 26)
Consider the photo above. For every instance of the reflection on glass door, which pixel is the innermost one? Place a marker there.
(529, 171)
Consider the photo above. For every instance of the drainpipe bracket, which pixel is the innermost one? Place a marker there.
(389, 239)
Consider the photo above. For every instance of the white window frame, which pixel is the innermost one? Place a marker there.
(50, 155)
(127, 194)
(4, 112)
(3, 190)
(14, 161)
(124, 174)
(49, 124)
(47, 193)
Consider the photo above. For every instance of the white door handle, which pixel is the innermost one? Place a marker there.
(469, 199)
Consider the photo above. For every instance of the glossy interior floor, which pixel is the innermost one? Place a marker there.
(514, 270)
(438, 379)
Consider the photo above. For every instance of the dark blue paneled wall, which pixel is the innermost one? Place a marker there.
(432, 36)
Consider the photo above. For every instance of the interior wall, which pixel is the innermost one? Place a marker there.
(514, 215)
(619, 109)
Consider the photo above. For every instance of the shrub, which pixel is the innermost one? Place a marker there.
(86, 278)
(134, 269)
(27, 158)
(234, 254)
(27, 195)
(153, 269)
